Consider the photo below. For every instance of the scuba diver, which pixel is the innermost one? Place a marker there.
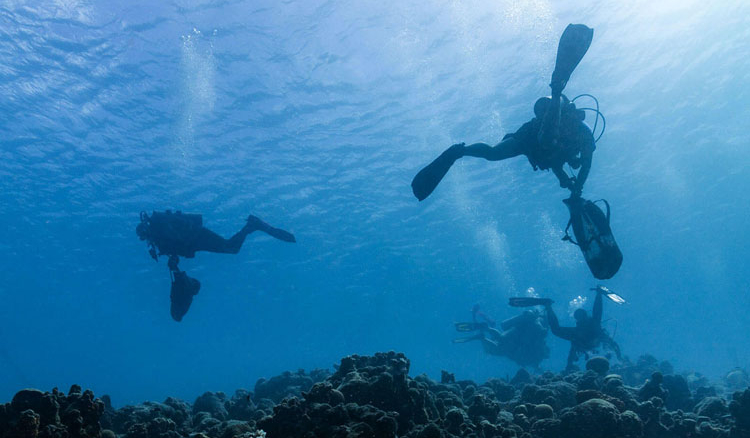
(554, 137)
(182, 235)
(521, 340)
(588, 334)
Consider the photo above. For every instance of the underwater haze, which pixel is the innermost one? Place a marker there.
(315, 116)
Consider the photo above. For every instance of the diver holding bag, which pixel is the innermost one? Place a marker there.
(177, 234)
(593, 235)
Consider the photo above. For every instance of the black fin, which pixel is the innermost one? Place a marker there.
(465, 326)
(465, 340)
(528, 301)
(428, 178)
(280, 234)
(574, 43)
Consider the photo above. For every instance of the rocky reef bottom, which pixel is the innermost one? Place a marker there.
(374, 396)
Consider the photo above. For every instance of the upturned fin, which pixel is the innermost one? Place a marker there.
(574, 43)
(528, 301)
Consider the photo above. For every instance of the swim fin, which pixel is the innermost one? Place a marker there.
(428, 178)
(181, 295)
(255, 223)
(607, 292)
(280, 234)
(464, 326)
(574, 43)
(617, 299)
(470, 326)
(528, 301)
(467, 339)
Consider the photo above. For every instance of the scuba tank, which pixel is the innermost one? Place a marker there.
(158, 217)
(517, 320)
(594, 236)
(167, 232)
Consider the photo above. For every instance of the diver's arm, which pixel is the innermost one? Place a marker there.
(565, 180)
(587, 154)
(554, 326)
(510, 147)
(596, 315)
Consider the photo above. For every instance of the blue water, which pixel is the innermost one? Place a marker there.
(315, 115)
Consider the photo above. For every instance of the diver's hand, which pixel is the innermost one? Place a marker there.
(576, 190)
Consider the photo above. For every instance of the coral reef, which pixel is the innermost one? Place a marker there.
(374, 396)
(33, 413)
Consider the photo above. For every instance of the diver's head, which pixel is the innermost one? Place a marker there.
(142, 230)
(580, 316)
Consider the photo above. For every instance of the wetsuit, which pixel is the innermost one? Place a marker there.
(587, 335)
(573, 144)
(183, 234)
(522, 338)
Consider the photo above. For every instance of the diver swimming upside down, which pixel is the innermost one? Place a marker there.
(554, 137)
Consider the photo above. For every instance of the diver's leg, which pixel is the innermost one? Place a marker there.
(207, 240)
(508, 148)
(598, 311)
(550, 129)
(254, 223)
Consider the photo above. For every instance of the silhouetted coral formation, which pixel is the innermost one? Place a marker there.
(374, 396)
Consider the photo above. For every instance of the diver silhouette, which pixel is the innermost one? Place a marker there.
(554, 137)
(588, 334)
(520, 338)
(182, 235)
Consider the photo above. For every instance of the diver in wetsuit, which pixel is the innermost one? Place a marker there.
(588, 333)
(179, 234)
(522, 338)
(554, 137)
(573, 145)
